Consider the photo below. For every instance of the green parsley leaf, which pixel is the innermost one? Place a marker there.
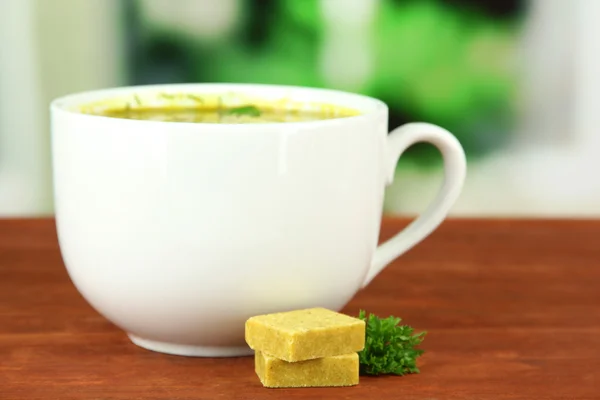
(389, 347)
(251, 111)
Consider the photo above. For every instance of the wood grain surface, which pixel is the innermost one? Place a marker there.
(512, 309)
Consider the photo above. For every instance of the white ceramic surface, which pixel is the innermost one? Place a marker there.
(178, 232)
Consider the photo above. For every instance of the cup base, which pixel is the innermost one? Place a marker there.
(190, 350)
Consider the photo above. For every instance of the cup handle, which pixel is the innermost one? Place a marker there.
(455, 168)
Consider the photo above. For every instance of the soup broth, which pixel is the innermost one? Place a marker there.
(215, 109)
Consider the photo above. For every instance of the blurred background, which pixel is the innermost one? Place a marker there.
(515, 80)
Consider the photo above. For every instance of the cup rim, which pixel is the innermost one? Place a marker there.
(367, 106)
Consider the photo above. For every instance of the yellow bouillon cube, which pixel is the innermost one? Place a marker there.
(305, 334)
(328, 371)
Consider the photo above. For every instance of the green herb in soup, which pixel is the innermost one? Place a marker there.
(244, 110)
(186, 107)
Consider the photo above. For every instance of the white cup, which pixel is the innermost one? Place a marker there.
(178, 232)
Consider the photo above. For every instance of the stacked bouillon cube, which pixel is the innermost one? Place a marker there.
(306, 348)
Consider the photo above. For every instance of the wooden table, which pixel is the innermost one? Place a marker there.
(512, 309)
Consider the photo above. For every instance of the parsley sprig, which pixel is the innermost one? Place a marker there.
(250, 110)
(389, 347)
